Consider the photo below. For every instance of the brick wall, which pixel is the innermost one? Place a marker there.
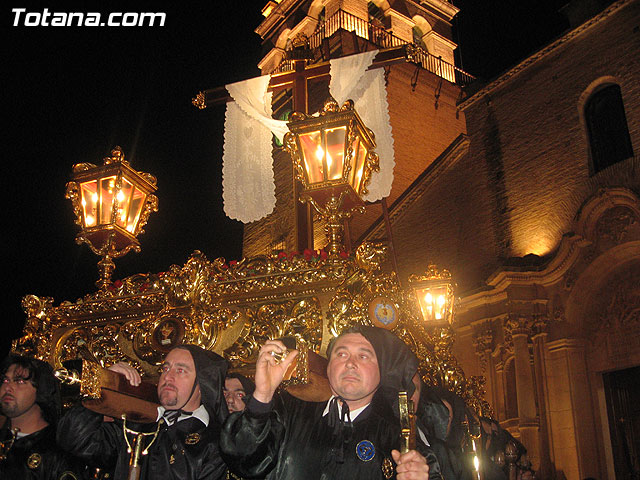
(527, 171)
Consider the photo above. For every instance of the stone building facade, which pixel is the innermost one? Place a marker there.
(516, 191)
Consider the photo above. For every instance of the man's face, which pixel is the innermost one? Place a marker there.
(176, 381)
(353, 370)
(17, 395)
(234, 395)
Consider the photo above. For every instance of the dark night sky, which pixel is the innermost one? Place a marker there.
(73, 93)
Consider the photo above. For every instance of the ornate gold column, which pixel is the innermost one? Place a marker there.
(519, 328)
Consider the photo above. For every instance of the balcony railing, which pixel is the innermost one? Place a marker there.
(378, 36)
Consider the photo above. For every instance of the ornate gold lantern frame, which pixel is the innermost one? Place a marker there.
(112, 204)
(434, 292)
(333, 154)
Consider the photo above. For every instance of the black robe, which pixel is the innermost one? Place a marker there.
(290, 439)
(48, 462)
(185, 450)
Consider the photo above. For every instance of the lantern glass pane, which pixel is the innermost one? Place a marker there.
(433, 302)
(137, 202)
(313, 155)
(89, 200)
(354, 161)
(335, 152)
(360, 155)
(107, 193)
(123, 197)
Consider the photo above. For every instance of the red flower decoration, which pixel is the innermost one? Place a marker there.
(282, 255)
(308, 254)
(117, 283)
(233, 263)
(293, 254)
(323, 254)
(344, 254)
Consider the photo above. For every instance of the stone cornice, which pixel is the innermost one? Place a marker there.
(446, 8)
(279, 12)
(567, 255)
(442, 39)
(566, 343)
(544, 52)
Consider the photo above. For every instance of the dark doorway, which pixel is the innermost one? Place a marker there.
(622, 389)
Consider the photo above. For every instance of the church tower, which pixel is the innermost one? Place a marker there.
(423, 87)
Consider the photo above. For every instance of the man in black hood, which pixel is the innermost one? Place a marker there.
(189, 420)
(237, 388)
(355, 434)
(30, 401)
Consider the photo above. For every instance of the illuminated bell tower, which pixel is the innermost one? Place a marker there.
(422, 83)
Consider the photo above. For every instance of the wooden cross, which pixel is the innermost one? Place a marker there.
(297, 80)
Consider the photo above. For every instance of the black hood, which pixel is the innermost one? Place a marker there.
(247, 384)
(211, 370)
(47, 386)
(396, 361)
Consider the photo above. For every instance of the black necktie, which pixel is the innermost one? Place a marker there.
(172, 416)
(339, 423)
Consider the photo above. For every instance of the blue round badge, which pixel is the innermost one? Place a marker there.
(365, 450)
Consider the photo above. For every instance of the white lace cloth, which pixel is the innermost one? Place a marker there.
(350, 79)
(248, 186)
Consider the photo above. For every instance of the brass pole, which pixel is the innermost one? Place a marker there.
(134, 460)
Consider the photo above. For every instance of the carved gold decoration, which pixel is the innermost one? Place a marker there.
(233, 308)
(199, 101)
(6, 444)
(90, 386)
(34, 461)
(387, 468)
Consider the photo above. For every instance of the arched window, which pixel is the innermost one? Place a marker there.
(607, 129)
(417, 38)
(376, 15)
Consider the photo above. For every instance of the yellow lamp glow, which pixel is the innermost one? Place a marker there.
(434, 292)
(333, 153)
(112, 203)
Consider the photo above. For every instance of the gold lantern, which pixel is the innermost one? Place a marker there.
(434, 291)
(112, 204)
(334, 157)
